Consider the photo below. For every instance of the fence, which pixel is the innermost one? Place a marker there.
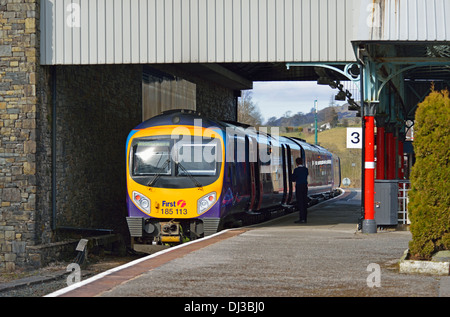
(403, 188)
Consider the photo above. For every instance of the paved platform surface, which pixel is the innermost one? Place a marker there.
(325, 257)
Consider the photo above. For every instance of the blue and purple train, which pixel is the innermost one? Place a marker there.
(189, 176)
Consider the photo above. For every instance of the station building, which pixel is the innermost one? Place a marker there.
(77, 75)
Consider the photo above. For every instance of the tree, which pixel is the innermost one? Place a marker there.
(248, 111)
(334, 118)
(332, 102)
(287, 114)
(331, 116)
(429, 207)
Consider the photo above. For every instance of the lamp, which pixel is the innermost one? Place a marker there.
(341, 95)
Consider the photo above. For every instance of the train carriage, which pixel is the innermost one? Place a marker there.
(189, 176)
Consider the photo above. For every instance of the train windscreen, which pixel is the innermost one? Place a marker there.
(197, 159)
(151, 157)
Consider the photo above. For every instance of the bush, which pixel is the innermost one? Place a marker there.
(429, 207)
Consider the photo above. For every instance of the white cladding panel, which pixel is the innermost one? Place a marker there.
(197, 31)
(404, 20)
(222, 31)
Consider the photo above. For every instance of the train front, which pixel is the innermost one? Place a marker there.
(174, 179)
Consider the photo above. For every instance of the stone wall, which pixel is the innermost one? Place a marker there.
(96, 108)
(18, 54)
(216, 101)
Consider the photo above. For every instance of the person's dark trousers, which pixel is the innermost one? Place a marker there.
(301, 192)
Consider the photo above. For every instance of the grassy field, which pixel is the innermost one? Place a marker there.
(334, 140)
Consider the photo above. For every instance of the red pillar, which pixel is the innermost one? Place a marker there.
(380, 153)
(369, 171)
(390, 155)
(401, 172)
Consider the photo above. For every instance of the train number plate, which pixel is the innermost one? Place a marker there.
(174, 211)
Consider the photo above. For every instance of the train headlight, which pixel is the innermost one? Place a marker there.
(206, 202)
(142, 202)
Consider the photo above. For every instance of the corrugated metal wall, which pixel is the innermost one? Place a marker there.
(405, 20)
(219, 31)
(196, 31)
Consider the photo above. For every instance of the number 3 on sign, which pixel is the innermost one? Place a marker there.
(354, 138)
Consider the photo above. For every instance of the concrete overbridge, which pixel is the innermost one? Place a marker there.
(77, 75)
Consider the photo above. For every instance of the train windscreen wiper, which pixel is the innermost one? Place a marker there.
(159, 173)
(194, 180)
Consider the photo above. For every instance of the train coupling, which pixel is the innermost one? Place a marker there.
(170, 232)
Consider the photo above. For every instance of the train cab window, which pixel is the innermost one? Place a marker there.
(151, 157)
(198, 159)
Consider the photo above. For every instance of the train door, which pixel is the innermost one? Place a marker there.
(250, 162)
(289, 171)
(258, 178)
(337, 172)
(285, 174)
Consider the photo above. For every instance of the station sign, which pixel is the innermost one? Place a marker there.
(354, 138)
(346, 181)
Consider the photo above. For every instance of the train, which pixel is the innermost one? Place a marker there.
(189, 176)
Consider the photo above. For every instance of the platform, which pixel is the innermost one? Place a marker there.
(325, 257)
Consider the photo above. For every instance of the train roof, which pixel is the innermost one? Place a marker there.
(313, 147)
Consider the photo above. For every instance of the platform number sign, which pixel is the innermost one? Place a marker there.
(354, 138)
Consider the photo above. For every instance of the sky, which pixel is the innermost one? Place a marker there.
(274, 99)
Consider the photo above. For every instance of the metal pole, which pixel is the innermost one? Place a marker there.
(380, 152)
(390, 155)
(360, 223)
(368, 111)
(369, 225)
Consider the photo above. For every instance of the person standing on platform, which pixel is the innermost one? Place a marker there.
(300, 177)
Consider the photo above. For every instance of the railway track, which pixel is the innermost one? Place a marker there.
(38, 283)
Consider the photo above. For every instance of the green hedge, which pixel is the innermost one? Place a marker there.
(429, 207)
